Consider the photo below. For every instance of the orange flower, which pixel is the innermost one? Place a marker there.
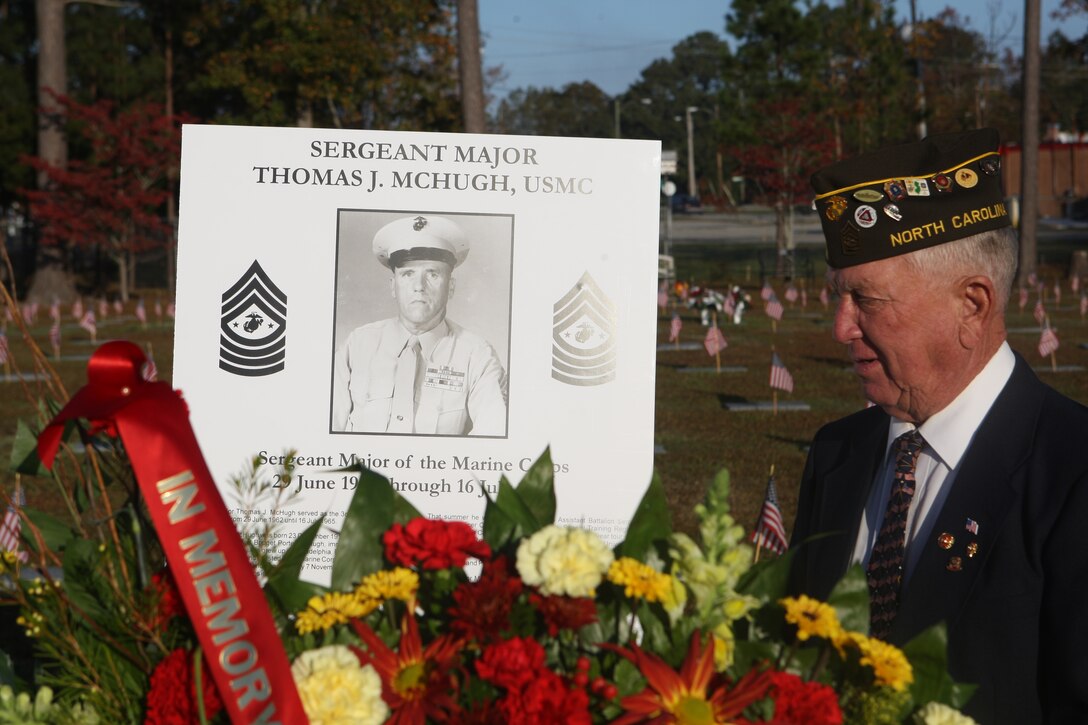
(416, 682)
(691, 697)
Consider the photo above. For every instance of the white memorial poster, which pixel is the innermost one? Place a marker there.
(440, 308)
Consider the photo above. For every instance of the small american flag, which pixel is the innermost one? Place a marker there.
(54, 336)
(1057, 294)
(773, 308)
(77, 308)
(54, 310)
(767, 292)
(972, 526)
(103, 308)
(89, 323)
(150, 371)
(1040, 311)
(769, 531)
(825, 297)
(715, 341)
(4, 350)
(12, 524)
(1083, 304)
(1023, 298)
(804, 298)
(118, 307)
(1074, 284)
(791, 294)
(170, 310)
(141, 312)
(662, 297)
(730, 305)
(1048, 342)
(158, 309)
(780, 376)
(674, 328)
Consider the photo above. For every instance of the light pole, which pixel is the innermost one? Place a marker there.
(692, 189)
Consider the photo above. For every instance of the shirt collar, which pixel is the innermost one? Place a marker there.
(949, 431)
(427, 341)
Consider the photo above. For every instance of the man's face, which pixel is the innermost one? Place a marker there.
(422, 288)
(901, 331)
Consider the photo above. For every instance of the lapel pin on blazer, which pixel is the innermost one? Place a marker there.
(955, 563)
(946, 540)
(972, 526)
(972, 549)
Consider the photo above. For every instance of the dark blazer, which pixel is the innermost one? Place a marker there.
(1017, 610)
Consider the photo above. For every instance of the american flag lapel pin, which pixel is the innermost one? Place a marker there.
(972, 526)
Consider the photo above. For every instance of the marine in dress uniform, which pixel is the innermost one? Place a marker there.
(963, 491)
(419, 372)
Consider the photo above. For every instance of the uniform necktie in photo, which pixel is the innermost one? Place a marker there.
(403, 413)
(885, 572)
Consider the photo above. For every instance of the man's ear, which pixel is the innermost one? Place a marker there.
(393, 285)
(453, 286)
(978, 300)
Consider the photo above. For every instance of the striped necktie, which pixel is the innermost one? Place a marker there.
(885, 572)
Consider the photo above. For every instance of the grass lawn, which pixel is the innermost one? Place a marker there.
(696, 435)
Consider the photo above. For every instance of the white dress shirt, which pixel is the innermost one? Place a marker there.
(947, 435)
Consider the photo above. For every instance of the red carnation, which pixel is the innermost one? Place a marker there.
(512, 663)
(561, 612)
(481, 609)
(166, 599)
(797, 702)
(433, 544)
(171, 700)
(545, 700)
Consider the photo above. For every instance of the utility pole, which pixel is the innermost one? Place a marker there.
(1029, 150)
(692, 188)
(470, 65)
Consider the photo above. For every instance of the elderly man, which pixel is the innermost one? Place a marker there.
(419, 372)
(963, 491)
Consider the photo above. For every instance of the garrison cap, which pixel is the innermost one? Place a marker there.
(420, 237)
(905, 198)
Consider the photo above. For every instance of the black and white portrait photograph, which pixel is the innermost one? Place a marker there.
(421, 323)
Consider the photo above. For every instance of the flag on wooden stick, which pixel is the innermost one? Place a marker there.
(780, 376)
(769, 531)
(12, 524)
(674, 328)
(90, 324)
(1048, 342)
(714, 341)
(773, 308)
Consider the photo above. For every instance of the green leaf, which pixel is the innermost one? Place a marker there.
(767, 579)
(499, 529)
(287, 590)
(514, 506)
(359, 551)
(55, 533)
(537, 489)
(649, 524)
(24, 452)
(81, 560)
(850, 598)
(928, 655)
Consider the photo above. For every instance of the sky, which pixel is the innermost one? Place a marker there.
(549, 43)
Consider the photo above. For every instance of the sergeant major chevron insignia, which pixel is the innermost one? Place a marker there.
(584, 336)
(253, 326)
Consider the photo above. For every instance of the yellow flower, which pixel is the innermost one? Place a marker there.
(321, 613)
(639, 581)
(381, 586)
(725, 646)
(812, 617)
(890, 666)
(562, 561)
(336, 689)
(937, 714)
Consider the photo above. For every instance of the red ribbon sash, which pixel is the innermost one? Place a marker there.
(205, 553)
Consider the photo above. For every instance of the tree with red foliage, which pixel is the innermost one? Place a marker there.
(114, 198)
(792, 143)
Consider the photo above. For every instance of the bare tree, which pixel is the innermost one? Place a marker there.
(1029, 173)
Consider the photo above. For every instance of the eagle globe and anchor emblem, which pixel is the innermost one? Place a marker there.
(253, 326)
(584, 336)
